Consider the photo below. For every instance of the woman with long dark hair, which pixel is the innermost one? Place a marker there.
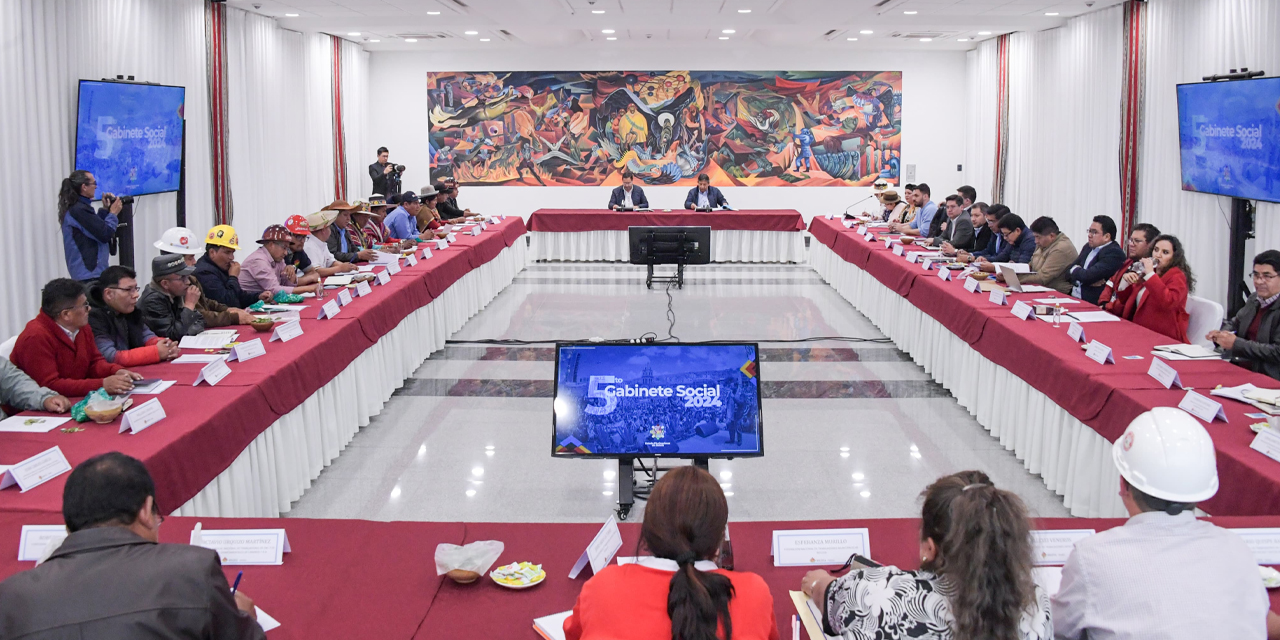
(86, 235)
(1154, 294)
(678, 592)
(974, 581)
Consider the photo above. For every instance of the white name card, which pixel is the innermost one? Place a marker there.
(601, 550)
(1022, 310)
(451, 237)
(484, 226)
(213, 372)
(1164, 374)
(247, 350)
(898, 250)
(997, 297)
(1100, 353)
(475, 231)
(928, 264)
(344, 296)
(384, 277)
(441, 244)
(1076, 332)
(363, 289)
(35, 471)
(1264, 543)
(494, 220)
(1053, 547)
(244, 546)
(426, 253)
(862, 229)
(329, 310)
(142, 416)
(1267, 442)
(944, 274)
(972, 285)
(870, 237)
(412, 259)
(888, 243)
(393, 267)
(286, 332)
(36, 539)
(848, 224)
(831, 216)
(1202, 407)
(817, 547)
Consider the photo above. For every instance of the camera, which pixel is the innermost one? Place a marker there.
(397, 168)
(123, 200)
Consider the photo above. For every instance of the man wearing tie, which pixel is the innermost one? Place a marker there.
(958, 234)
(705, 196)
(628, 196)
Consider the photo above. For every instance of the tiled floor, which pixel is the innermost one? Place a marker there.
(852, 429)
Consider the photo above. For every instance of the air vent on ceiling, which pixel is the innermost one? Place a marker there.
(829, 33)
(438, 35)
(461, 4)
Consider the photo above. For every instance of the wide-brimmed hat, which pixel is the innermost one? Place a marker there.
(338, 205)
(275, 232)
(889, 197)
(377, 200)
(321, 219)
(428, 192)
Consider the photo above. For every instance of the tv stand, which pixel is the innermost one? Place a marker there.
(630, 489)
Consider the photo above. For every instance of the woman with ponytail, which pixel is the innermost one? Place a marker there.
(974, 581)
(86, 235)
(677, 593)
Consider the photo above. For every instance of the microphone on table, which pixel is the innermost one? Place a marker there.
(846, 209)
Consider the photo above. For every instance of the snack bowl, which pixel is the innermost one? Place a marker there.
(462, 576)
(908, 240)
(104, 411)
(518, 575)
(980, 276)
(1270, 577)
(262, 325)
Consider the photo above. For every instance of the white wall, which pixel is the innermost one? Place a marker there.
(934, 103)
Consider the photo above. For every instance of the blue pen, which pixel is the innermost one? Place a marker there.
(237, 584)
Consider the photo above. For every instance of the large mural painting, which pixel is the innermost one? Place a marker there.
(769, 128)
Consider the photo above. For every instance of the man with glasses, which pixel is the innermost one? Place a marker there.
(169, 302)
(1252, 338)
(1097, 261)
(57, 348)
(118, 329)
(1019, 242)
(264, 269)
(1138, 247)
(110, 578)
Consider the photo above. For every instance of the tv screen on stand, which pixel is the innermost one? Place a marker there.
(661, 400)
(1229, 138)
(129, 136)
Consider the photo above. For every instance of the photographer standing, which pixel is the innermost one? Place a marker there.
(386, 176)
(86, 235)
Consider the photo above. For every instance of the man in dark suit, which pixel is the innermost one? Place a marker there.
(958, 233)
(111, 580)
(705, 196)
(386, 180)
(1098, 259)
(628, 196)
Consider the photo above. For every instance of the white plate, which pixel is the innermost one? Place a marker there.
(520, 586)
(1270, 577)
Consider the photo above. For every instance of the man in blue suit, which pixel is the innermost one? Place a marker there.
(705, 196)
(628, 196)
(1098, 260)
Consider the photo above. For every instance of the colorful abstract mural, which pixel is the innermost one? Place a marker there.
(768, 128)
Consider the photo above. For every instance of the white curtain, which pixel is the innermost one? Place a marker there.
(980, 142)
(1190, 39)
(46, 46)
(280, 162)
(355, 101)
(1064, 122)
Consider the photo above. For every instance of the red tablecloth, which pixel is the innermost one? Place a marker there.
(1104, 397)
(206, 428)
(571, 220)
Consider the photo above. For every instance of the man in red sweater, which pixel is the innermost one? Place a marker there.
(57, 348)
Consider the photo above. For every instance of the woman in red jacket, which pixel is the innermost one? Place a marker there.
(1154, 293)
(677, 593)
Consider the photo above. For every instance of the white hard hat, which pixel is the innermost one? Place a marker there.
(1167, 454)
(180, 240)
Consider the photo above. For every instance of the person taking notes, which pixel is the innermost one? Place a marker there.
(704, 196)
(628, 196)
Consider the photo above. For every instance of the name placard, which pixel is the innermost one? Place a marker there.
(944, 274)
(870, 237)
(1267, 442)
(384, 277)
(475, 231)
(1100, 353)
(286, 332)
(36, 538)
(329, 310)
(1076, 332)
(247, 350)
(1202, 407)
(393, 267)
(412, 259)
(244, 546)
(35, 471)
(451, 237)
(971, 285)
(898, 250)
(1164, 374)
(817, 547)
(862, 230)
(363, 289)
(426, 253)
(213, 373)
(441, 244)
(1053, 547)
(143, 415)
(997, 297)
(1021, 310)
(601, 550)
(1264, 543)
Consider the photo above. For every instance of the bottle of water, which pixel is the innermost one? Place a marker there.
(1057, 314)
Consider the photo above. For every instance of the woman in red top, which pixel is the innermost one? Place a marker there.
(1155, 296)
(678, 593)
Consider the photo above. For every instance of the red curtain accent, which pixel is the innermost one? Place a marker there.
(216, 59)
(1002, 118)
(1132, 96)
(339, 135)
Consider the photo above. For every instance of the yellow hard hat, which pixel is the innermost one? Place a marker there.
(223, 235)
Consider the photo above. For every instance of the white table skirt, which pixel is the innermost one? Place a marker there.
(279, 465)
(726, 246)
(1072, 459)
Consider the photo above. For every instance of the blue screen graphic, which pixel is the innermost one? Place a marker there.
(657, 400)
(129, 136)
(1229, 135)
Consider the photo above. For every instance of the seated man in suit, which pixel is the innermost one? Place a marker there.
(111, 579)
(1054, 253)
(1098, 260)
(1020, 245)
(628, 196)
(996, 245)
(958, 230)
(704, 196)
(1251, 339)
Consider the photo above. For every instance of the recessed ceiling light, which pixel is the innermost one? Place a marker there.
(597, 11)
(984, 33)
(471, 33)
(724, 37)
(866, 32)
(484, 39)
(375, 41)
(410, 39)
(354, 33)
(851, 39)
(611, 38)
(962, 39)
(1051, 13)
(290, 15)
(728, 31)
(433, 13)
(911, 13)
(926, 39)
(606, 31)
(744, 11)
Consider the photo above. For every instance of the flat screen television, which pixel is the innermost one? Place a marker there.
(129, 136)
(661, 400)
(1229, 138)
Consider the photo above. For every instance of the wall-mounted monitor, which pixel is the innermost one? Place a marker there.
(1229, 138)
(129, 136)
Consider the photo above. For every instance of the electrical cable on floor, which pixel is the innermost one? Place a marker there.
(671, 317)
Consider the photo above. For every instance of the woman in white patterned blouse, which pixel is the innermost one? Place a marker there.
(974, 581)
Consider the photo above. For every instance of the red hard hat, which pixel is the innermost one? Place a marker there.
(275, 232)
(297, 225)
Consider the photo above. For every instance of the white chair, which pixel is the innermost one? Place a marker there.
(1206, 315)
(6, 347)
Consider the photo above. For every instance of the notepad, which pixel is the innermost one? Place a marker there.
(552, 627)
(1188, 351)
(809, 616)
(213, 339)
(337, 281)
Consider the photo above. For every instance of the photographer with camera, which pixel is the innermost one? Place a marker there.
(86, 236)
(386, 176)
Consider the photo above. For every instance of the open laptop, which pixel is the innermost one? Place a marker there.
(1011, 282)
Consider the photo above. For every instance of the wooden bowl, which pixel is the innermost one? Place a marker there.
(981, 275)
(103, 412)
(262, 326)
(908, 240)
(462, 576)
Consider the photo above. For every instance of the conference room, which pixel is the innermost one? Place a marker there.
(607, 319)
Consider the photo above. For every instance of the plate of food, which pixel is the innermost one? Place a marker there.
(519, 575)
(1270, 577)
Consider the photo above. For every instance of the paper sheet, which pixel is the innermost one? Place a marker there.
(552, 627)
(284, 307)
(1235, 393)
(199, 358)
(809, 616)
(1017, 267)
(265, 621)
(215, 339)
(1035, 288)
(1090, 316)
(1189, 350)
(153, 389)
(337, 281)
(1056, 300)
(31, 424)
